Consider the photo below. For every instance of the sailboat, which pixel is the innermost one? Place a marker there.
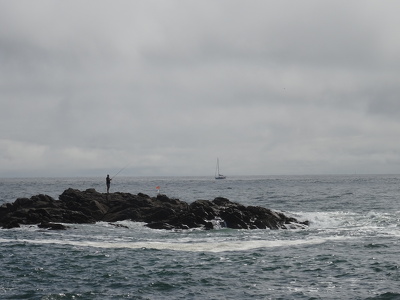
(217, 175)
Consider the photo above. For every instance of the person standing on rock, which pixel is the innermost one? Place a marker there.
(108, 182)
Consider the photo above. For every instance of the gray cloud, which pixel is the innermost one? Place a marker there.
(269, 87)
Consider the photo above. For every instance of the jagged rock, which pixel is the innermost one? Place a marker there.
(161, 212)
(11, 224)
(52, 226)
(119, 225)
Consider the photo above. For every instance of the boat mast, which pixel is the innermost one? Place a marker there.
(217, 174)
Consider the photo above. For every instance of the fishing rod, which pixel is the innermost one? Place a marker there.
(120, 171)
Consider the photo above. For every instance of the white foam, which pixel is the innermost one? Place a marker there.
(190, 247)
(327, 219)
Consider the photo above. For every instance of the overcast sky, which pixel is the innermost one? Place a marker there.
(166, 87)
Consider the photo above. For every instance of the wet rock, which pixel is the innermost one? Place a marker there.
(52, 226)
(161, 212)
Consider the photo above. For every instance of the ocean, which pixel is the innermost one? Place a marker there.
(350, 250)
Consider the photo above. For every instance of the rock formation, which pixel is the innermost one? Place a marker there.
(161, 212)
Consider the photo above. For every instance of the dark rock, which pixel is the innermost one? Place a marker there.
(11, 224)
(119, 225)
(221, 201)
(204, 209)
(208, 225)
(52, 226)
(235, 219)
(160, 225)
(161, 212)
(121, 215)
(143, 195)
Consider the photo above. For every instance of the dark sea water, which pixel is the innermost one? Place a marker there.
(350, 251)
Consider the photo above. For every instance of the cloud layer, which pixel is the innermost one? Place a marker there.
(165, 87)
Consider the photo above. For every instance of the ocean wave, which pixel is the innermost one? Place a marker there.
(224, 246)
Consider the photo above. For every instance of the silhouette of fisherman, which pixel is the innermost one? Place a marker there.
(108, 182)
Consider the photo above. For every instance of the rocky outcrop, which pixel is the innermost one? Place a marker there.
(161, 212)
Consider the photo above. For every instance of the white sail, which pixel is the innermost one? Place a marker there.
(217, 174)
